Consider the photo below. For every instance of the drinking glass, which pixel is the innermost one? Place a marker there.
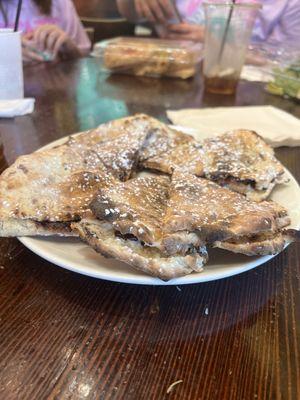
(227, 33)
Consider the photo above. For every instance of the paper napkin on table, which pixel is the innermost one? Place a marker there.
(257, 74)
(15, 108)
(277, 127)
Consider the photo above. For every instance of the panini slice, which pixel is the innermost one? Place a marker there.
(129, 227)
(122, 127)
(146, 58)
(117, 144)
(57, 185)
(48, 187)
(257, 244)
(223, 218)
(242, 161)
(120, 144)
(102, 237)
(137, 208)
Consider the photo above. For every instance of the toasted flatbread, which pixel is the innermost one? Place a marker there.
(187, 212)
(263, 244)
(221, 216)
(243, 162)
(158, 223)
(256, 245)
(239, 160)
(129, 227)
(102, 237)
(57, 185)
(117, 144)
(137, 208)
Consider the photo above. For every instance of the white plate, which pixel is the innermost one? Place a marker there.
(75, 256)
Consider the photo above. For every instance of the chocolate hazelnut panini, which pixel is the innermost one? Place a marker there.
(43, 192)
(225, 219)
(243, 162)
(129, 226)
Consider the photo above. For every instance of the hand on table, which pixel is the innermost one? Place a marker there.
(29, 54)
(185, 31)
(156, 11)
(47, 38)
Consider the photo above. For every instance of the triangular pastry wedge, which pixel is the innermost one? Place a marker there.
(243, 162)
(223, 218)
(133, 213)
(101, 236)
(239, 160)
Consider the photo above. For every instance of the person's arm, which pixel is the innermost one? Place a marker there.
(72, 26)
(185, 31)
(155, 11)
(278, 22)
(65, 39)
(127, 9)
(287, 30)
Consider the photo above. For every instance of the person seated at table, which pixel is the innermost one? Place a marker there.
(50, 29)
(278, 21)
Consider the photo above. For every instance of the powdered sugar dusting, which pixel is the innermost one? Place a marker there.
(243, 155)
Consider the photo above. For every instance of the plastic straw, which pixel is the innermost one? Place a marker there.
(18, 15)
(226, 31)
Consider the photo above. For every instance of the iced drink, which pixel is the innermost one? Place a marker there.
(227, 33)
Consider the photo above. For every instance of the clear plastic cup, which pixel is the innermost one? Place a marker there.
(11, 68)
(227, 33)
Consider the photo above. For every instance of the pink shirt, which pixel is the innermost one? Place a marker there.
(63, 14)
(277, 22)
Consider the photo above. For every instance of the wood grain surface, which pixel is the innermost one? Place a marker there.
(67, 336)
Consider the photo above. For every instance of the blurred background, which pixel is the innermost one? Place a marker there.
(102, 20)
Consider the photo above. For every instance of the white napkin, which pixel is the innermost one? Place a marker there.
(15, 108)
(257, 74)
(277, 127)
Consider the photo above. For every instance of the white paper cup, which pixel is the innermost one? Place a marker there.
(11, 67)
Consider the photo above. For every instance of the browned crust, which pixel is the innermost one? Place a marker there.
(241, 160)
(256, 247)
(217, 213)
(134, 207)
(58, 184)
(100, 236)
(246, 189)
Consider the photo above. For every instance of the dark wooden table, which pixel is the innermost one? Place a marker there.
(67, 336)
